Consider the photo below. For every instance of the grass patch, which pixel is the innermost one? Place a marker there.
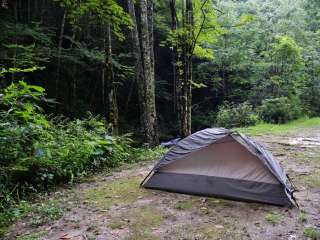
(206, 232)
(38, 214)
(184, 204)
(32, 236)
(273, 218)
(312, 233)
(302, 217)
(143, 220)
(13, 214)
(45, 213)
(313, 179)
(279, 129)
(120, 191)
(117, 223)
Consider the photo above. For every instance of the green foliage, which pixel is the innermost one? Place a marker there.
(286, 50)
(236, 115)
(204, 31)
(201, 121)
(38, 152)
(279, 110)
(24, 48)
(105, 12)
(146, 154)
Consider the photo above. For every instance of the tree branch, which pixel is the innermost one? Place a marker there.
(195, 38)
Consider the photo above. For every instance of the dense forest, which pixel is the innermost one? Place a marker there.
(158, 68)
(94, 80)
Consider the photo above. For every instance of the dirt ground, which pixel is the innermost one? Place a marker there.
(112, 206)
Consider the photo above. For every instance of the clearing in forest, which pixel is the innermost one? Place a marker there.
(112, 206)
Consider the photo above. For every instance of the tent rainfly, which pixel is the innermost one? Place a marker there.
(223, 163)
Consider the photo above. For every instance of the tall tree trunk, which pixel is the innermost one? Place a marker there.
(176, 78)
(15, 38)
(28, 11)
(63, 21)
(138, 62)
(185, 98)
(103, 73)
(112, 88)
(145, 71)
(151, 38)
(151, 117)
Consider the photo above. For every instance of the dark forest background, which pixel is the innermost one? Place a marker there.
(265, 55)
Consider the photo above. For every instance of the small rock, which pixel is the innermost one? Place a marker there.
(219, 226)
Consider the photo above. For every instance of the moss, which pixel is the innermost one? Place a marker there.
(312, 233)
(273, 218)
(120, 191)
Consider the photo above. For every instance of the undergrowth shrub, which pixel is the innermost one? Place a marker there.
(241, 115)
(279, 110)
(38, 152)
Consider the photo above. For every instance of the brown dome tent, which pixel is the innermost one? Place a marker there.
(223, 163)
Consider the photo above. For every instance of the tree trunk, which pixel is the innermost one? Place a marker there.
(175, 69)
(151, 37)
(138, 62)
(151, 117)
(112, 88)
(145, 71)
(185, 94)
(103, 73)
(63, 21)
(15, 39)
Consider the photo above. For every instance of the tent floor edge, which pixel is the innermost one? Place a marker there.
(211, 186)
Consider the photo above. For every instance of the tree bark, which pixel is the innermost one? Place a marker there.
(144, 57)
(112, 88)
(176, 79)
(185, 94)
(103, 73)
(63, 21)
(151, 37)
(138, 62)
(147, 55)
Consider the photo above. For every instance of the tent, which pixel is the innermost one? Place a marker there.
(223, 163)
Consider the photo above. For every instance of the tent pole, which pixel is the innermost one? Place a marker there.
(141, 184)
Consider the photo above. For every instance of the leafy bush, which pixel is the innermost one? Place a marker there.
(279, 110)
(202, 120)
(146, 154)
(236, 116)
(38, 152)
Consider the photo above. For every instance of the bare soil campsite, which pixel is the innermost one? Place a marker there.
(112, 206)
